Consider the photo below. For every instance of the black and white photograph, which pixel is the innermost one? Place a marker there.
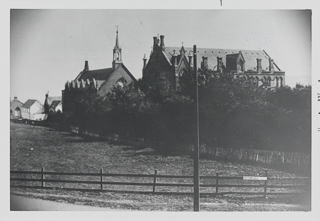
(126, 109)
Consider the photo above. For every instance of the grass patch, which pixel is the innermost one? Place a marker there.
(33, 147)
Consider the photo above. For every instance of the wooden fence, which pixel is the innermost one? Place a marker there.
(299, 160)
(209, 185)
(43, 123)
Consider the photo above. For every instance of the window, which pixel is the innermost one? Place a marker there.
(241, 65)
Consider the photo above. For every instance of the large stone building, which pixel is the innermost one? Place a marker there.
(167, 64)
(92, 83)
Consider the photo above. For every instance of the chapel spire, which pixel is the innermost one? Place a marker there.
(117, 40)
(117, 56)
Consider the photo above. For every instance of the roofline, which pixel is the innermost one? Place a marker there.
(82, 72)
(31, 103)
(270, 58)
(240, 53)
(79, 75)
(240, 50)
(184, 58)
(16, 100)
(191, 48)
(126, 69)
(166, 57)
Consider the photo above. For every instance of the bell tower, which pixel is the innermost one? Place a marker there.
(117, 56)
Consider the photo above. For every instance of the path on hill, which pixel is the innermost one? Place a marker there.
(19, 203)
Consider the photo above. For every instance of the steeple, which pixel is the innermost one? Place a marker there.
(117, 40)
(117, 56)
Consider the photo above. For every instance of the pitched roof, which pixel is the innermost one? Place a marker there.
(54, 104)
(29, 103)
(250, 56)
(55, 98)
(128, 72)
(100, 74)
(17, 102)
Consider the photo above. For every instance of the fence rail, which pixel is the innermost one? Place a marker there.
(215, 182)
(299, 160)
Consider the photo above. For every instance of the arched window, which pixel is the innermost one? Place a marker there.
(269, 81)
(281, 81)
(17, 112)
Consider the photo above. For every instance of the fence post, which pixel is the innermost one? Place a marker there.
(43, 184)
(154, 180)
(217, 184)
(265, 183)
(101, 179)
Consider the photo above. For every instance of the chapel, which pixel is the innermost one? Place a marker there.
(92, 83)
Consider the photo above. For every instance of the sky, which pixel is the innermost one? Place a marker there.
(49, 47)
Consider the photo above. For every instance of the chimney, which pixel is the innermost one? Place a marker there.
(259, 67)
(219, 64)
(174, 58)
(155, 41)
(15, 98)
(162, 42)
(271, 67)
(190, 59)
(86, 66)
(205, 62)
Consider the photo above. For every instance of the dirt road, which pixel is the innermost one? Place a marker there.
(19, 203)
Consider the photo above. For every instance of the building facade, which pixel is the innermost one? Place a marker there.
(167, 64)
(52, 104)
(33, 110)
(92, 83)
(15, 108)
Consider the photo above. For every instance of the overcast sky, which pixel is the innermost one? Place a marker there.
(49, 47)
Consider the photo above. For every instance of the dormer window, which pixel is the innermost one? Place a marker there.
(235, 62)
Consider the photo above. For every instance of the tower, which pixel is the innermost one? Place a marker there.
(117, 56)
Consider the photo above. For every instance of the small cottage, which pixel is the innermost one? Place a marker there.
(33, 110)
(15, 108)
(52, 104)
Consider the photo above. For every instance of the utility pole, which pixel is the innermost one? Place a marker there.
(196, 179)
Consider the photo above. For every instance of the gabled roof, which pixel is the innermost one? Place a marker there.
(29, 103)
(55, 98)
(128, 72)
(100, 74)
(250, 56)
(16, 101)
(54, 104)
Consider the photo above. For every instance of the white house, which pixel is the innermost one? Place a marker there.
(33, 110)
(55, 106)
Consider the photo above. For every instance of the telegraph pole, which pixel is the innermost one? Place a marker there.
(196, 179)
